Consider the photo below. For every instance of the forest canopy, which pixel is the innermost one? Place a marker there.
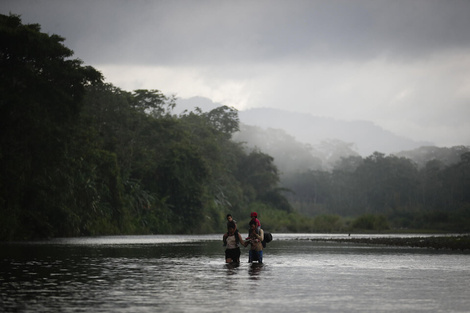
(82, 157)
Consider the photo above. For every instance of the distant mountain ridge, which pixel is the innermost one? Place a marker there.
(365, 136)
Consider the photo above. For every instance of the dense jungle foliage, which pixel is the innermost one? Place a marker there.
(83, 157)
(386, 192)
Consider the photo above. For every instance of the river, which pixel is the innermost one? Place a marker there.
(188, 274)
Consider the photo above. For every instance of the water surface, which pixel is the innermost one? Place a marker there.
(188, 274)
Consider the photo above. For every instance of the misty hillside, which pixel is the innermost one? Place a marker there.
(446, 155)
(364, 137)
(291, 155)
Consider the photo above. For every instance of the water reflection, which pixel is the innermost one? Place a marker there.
(232, 268)
(255, 270)
(190, 275)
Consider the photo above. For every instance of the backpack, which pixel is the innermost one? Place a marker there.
(268, 237)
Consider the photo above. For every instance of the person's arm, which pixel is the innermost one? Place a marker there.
(248, 239)
(241, 240)
(224, 238)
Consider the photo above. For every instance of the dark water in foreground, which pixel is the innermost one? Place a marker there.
(188, 274)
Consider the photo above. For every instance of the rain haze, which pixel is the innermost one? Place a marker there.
(403, 65)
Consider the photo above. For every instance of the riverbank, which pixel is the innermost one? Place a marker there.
(460, 242)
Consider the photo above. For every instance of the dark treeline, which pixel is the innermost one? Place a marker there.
(81, 157)
(425, 189)
(385, 192)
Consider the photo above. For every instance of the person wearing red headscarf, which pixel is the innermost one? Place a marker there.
(254, 217)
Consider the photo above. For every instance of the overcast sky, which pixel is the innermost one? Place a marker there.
(404, 65)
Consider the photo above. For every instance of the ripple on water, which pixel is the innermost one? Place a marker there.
(191, 276)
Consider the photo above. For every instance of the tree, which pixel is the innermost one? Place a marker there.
(290, 156)
(432, 184)
(42, 89)
(224, 119)
(259, 177)
(456, 182)
(152, 101)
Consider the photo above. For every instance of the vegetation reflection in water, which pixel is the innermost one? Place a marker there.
(129, 274)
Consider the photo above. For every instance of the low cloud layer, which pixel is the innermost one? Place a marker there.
(405, 65)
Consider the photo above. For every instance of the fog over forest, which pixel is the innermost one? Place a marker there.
(300, 142)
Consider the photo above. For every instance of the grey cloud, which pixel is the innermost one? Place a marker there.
(214, 32)
(403, 63)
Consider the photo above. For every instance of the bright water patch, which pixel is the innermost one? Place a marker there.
(188, 274)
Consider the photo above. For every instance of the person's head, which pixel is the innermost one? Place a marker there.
(229, 217)
(254, 215)
(253, 225)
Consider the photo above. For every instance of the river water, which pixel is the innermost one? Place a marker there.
(188, 274)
